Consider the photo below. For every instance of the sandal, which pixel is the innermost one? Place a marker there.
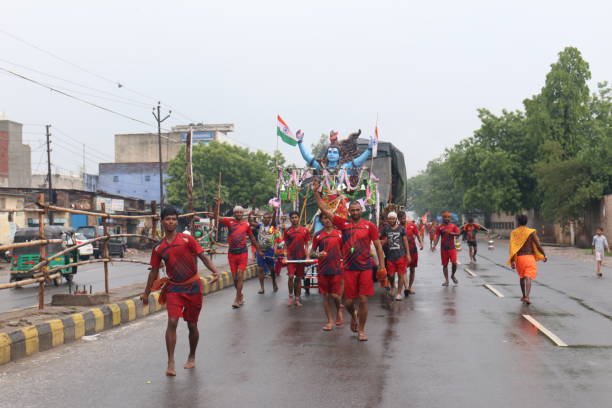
(362, 337)
(328, 327)
(261, 292)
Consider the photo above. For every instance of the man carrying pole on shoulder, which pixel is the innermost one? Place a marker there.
(448, 252)
(181, 291)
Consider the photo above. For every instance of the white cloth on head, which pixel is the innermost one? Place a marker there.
(392, 214)
(238, 208)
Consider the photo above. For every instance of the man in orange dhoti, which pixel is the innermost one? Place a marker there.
(525, 251)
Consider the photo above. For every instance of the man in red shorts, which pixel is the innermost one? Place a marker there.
(412, 234)
(394, 241)
(327, 246)
(447, 233)
(357, 237)
(238, 253)
(181, 291)
(296, 240)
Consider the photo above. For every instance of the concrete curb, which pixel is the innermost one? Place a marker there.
(44, 336)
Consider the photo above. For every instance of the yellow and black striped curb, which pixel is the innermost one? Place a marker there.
(30, 340)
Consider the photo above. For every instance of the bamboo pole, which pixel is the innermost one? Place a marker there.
(30, 243)
(218, 208)
(105, 249)
(195, 213)
(101, 260)
(154, 221)
(37, 210)
(42, 253)
(28, 281)
(96, 214)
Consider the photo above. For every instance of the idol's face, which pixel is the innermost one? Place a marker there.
(333, 154)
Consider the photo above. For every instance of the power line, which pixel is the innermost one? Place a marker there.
(102, 77)
(133, 101)
(75, 97)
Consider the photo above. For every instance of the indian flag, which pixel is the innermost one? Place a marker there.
(375, 147)
(283, 131)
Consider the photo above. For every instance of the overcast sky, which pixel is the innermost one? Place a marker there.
(422, 67)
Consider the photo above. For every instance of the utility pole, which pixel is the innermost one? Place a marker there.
(84, 170)
(189, 171)
(157, 116)
(49, 181)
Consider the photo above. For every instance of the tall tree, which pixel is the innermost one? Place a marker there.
(249, 178)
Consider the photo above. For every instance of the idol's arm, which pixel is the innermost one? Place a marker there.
(308, 157)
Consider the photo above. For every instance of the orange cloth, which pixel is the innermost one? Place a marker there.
(163, 285)
(526, 266)
(518, 237)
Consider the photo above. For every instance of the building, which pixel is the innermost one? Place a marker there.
(144, 147)
(11, 221)
(136, 169)
(132, 179)
(65, 181)
(75, 199)
(15, 160)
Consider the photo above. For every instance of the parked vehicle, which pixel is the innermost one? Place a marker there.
(91, 232)
(86, 250)
(25, 258)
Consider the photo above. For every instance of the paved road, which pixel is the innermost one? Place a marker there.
(444, 347)
(120, 274)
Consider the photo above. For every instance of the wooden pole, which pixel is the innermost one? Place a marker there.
(105, 248)
(42, 253)
(154, 220)
(218, 208)
(188, 160)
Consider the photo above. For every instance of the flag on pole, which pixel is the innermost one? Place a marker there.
(283, 131)
(375, 147)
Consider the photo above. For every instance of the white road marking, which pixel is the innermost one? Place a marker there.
(469, 272)
(545, 331)
(492, 289)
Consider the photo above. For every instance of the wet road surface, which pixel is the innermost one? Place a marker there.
(461, 346)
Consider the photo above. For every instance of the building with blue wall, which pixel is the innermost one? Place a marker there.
(139, 180)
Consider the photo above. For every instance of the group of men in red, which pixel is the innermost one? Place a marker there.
(342, 251)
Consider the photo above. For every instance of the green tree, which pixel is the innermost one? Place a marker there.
(248, 178)
(433, 190)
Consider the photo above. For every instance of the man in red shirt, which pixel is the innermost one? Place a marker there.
(182, 289)
(238, 253)
(296, 240)
(447, 233)
(412, 233)
(327, 246)
(357, 237)
(470, 229)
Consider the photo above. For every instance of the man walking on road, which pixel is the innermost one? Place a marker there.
(525, 251)
(357, 237)
(470, 229)
(393, 238)
(238, 253)
(327, 246)
(412, 234)
(600, 244)
(266, 232)
(448, 252)
(296, 243)
(181, 291)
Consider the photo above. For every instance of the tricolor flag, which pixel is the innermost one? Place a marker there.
(283, 131)
(375, 147)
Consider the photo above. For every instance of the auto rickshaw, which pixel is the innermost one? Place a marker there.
(23, 259)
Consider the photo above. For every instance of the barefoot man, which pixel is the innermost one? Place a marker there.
(525, 250)
(448, 252)
(327, 246)
(357, 237)
(238, 253)
(470, 229)
(412, 234)
(266, 232)
(393, 238)
(181, 291)
(296, 243)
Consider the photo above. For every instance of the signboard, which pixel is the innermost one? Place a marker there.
(199, 136)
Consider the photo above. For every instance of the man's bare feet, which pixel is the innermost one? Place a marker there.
(411, 291)
(362, 336)
(328, 327)
(190, 363)
(170, 371)
(527, 301)
(445, 283)
(297, 302)
(455, 280)
(340, 319)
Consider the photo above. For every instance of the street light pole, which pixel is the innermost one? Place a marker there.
(157, 116)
